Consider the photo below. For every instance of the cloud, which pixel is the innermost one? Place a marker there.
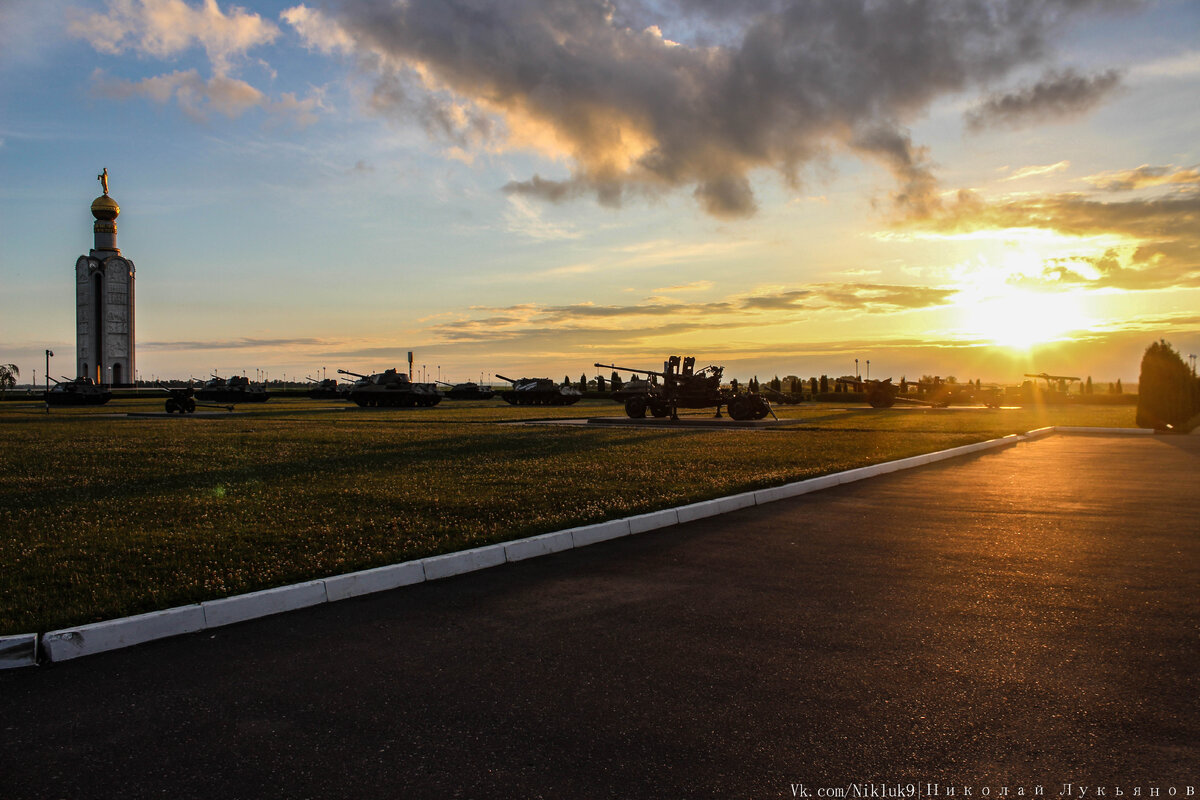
(1145, 176)
(638, 97)
(1036, 171)
(233, 344)
(1058, 95)
(199, 98)
(166, 28)
(1160, 236)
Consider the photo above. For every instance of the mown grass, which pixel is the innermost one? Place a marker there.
(107, 515)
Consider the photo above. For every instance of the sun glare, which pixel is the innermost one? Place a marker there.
(1020, 319)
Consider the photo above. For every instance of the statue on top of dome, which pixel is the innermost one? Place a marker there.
(103, 178)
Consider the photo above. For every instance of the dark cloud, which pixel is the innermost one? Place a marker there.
(745, 86)
(1058, 95)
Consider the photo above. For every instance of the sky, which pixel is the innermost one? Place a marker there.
(975, 188)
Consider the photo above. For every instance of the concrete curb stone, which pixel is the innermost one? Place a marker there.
(242, 607)
(535, 546)
(600, 532)
(98, 637)
(368, 581)
(18, 651)
(451, 564)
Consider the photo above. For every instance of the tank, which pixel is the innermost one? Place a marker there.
(328, 389)
(235, 389)
(391, 389)
(77, 392)
(683, 386)
(467, 391)
(539, 392)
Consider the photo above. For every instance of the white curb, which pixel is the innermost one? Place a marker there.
(18, 651)
(368, 581)
(86, 640)
(463, 561)
(600, 532)
(695, 511)
(1106, 431)
(535, 546)
(242, 607)
(653, 521)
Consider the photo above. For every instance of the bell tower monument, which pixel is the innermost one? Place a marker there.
(104, 343)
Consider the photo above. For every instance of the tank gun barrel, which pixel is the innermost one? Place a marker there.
(348, 372)
(501, 377)
(443, 383)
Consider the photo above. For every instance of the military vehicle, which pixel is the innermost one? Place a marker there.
(391, 389)
(182, 399)
(539, 392)
(77, 392)
(683, 386)
(235, 389)
(468, 391)
(327, 389)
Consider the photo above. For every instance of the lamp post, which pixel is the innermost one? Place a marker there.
(856, 367)
(868, 369)
(49, 353)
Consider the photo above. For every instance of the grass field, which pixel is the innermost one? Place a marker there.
(105, 515)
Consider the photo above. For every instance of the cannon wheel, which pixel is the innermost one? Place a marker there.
(659, 409)
(188, 405)
(881, 398)
(761, 408)
(172, 406)
(635, 407)
(739, 408)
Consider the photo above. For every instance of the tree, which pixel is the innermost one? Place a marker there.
(824, 384)
(8, 376)
(775, 384)
(583, 382)
(600, 383)
(1118, 389)
(812, 384)
(1087, 387)
(617, 383)
(1167, 392)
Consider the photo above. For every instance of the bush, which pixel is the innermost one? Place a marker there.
(1167, 393)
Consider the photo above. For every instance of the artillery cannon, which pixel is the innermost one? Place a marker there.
(468, 391)
(683, 386)
(76, 392)
(183, 400)
(539, 392)
(327, 389)
(390, 389)
(235, 389)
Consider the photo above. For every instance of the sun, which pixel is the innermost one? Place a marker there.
(1020, 319)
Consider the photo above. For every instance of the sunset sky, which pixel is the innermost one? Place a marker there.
(977, 189)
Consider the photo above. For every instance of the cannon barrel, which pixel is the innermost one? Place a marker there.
(443, 383)
(348, 372)
(501, 377)
(634, 371)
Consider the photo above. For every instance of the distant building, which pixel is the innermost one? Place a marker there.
(104, 302)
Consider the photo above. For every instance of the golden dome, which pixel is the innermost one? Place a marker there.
(104, 207)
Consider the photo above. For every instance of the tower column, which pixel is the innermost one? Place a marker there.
(104, 333)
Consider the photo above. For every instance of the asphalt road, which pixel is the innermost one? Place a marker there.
(1021, 618)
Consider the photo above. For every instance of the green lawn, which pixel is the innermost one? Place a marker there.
(105, 515)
